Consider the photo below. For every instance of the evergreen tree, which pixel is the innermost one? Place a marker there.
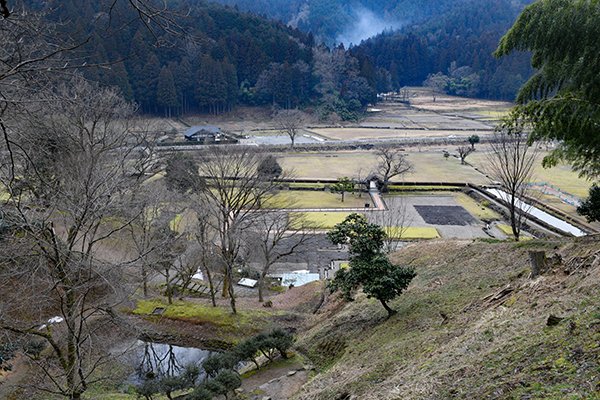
(369, 266)
(590, 208)
(562, 100)
(166, 92)
(149, 83)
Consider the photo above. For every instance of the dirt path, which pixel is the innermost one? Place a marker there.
(278, 382)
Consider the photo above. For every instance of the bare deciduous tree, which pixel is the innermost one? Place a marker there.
(235, 190)
(511, 163)
(207, 239)
(67, 179)
(276, 235)
(290, 122)
(463, 153)
(392, 162)
(395, 221)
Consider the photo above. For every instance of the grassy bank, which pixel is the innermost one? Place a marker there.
(471, 326)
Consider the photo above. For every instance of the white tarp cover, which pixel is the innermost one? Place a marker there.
(247, 282)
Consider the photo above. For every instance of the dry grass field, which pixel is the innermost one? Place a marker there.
(383, 133)
(561, 176)
(317, 200)
(429, 166)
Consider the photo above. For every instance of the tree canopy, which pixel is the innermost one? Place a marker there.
(561, 101)
(590, 208)
(369, 265)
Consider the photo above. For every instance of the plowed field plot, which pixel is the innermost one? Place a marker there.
(445, 215)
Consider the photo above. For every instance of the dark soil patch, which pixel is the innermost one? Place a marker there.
(445, 215)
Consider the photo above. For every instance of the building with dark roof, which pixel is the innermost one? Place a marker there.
(203, 133)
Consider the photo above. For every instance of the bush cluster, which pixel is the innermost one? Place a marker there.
(221, 369)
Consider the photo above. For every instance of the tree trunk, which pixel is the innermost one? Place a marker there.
(211, 286)
(389, 310)
(538, 263)
(145, 281)
(261, 284)
(225, 291)
(169, 292)
(232, 299)
(513, 218)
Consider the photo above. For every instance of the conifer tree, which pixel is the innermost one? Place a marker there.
(561, 102)
(166, 92)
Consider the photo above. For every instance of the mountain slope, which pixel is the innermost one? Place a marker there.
(471, 326)
(465, 36)
(345, 21)
(219, 49)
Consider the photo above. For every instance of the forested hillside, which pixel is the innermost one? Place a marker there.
(219, 50)
(459, 45)
(453, 38)
(217, 58)
(332, 20)
(223, 56)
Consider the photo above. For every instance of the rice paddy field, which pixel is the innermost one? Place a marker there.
(318, 220)
(317, 199)
(429, 166)
(384, 133)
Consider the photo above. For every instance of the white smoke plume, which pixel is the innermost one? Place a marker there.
(367, 25)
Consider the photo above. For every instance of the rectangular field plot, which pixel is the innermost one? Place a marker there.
(428, 166)
(445, 215)
(561, 177)
(433, 131)
(317, 200)
(412, 232)
(441, 211)
(318, 220)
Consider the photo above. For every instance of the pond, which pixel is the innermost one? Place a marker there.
(158, 360)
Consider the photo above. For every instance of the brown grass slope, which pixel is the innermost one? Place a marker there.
(459, 335)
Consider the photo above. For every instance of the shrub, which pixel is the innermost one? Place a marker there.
(247, 350)
(200, 393)
(217, 362)
(282, 341)
(229, 379)
(148, 388)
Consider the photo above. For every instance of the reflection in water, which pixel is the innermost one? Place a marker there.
(156, 360)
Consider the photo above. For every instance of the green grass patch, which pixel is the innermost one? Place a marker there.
(315, 199)
(507, 230)
(412, 232)
(318, 220)
(300, 185)
(477, 209)
(244, 323)
(175, 224)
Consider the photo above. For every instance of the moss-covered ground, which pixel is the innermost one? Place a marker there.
(225, 326)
